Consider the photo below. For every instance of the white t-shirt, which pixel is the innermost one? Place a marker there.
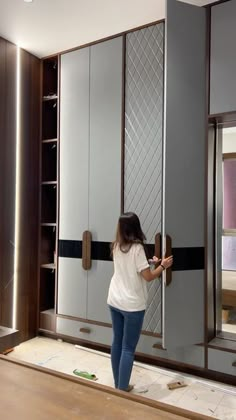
(128, 289)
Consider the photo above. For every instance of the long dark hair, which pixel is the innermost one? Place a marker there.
(128, 232)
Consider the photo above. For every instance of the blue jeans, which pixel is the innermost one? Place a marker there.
(126, 332)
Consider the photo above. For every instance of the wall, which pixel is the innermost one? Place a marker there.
(28, 187)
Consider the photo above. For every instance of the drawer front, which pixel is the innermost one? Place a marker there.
(84, 331)
(191, 355)
(145, 344)
(222, 361)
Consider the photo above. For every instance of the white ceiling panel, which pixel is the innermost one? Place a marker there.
(45, 27)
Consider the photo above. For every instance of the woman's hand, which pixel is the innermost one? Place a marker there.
(149, 274)
(167, 262)
(154, 260)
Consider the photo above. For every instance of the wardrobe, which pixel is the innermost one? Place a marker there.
(90, 149)
(132, 134)
(127, 144)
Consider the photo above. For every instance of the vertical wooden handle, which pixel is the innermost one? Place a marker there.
(158, 245)
(168, 253)
(86, 250)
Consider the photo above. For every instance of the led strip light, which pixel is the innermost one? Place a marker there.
(17, 191)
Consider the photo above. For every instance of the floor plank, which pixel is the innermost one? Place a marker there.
(30, 392)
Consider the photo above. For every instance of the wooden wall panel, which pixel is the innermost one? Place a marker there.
(7, 194)
(2, 153)
(29, 194)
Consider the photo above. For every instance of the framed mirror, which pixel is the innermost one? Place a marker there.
(225, 232)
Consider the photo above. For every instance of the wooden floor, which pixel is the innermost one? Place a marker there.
(28, 392)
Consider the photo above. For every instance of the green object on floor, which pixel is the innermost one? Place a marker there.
(85, 375)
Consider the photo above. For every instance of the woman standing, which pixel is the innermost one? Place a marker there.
(127, 297)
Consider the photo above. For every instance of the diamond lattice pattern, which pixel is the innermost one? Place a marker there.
(143, 142)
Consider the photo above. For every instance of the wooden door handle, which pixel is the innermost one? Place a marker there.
(168, 254)
(86, 250)
(157, 346)
(85, 330)
(157, 252)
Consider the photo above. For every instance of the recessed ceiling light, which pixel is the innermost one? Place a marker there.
(28, 1)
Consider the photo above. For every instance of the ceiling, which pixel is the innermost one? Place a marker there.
(45, 27)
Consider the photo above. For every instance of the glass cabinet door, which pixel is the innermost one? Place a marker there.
(226, 232)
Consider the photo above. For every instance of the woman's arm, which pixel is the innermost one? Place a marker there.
(150, 275)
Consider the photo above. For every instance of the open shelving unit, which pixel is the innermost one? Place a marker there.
(49, 194)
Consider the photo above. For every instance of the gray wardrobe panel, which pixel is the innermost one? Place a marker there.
(185, 124)
(105, 138)
(99, 278)
(143, 142)
(184, 315)
(184, 163)
(74, 144)
(223, 58)
(72, 288)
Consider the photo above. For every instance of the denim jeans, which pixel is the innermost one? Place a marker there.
(126, 332)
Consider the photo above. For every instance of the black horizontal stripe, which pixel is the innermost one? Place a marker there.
(188, 258)
(184, 258)
(70, 249)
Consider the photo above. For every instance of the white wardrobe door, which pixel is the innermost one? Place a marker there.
(74, 144)
(72, 288)
(105, 138)
(98, 283)
(105, 165)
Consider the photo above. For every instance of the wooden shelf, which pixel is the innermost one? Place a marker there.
(4, 331)
(52, 98)
(50, 266)
(49, 195)
(50, 141)
(50, 312)
(49, 183)
(9, 338)
(48, 320)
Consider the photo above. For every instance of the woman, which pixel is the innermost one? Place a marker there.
(127, 297)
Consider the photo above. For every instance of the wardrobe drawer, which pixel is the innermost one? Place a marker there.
(84, 331)
(145, 344)
(191, 355)
(222, 361)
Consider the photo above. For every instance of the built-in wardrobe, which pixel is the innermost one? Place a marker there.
(132, 136)
(124, 141)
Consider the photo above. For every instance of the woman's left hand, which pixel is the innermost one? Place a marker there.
(155, 260)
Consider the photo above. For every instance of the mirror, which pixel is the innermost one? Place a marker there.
(226, 231)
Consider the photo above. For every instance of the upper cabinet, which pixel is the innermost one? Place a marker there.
(223, 58)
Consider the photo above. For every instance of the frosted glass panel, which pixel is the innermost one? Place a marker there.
(229, 253)
(229, 195)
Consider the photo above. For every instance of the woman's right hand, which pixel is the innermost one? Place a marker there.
(167, 262)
